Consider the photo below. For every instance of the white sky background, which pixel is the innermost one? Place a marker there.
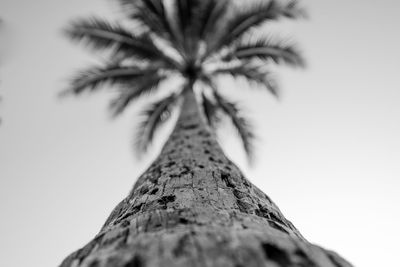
(328, 152)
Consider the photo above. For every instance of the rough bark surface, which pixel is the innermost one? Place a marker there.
(193, 207)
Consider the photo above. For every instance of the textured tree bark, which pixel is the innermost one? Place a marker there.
(193, 207)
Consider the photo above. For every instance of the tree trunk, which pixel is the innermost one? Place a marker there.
(193, 207)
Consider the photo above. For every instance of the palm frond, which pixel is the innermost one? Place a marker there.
(147, 84)
(212, 12)
(267, 49)
(101, 35)
(153, 16)
(153, 117)
(95, 77)
(154, 9)
(187, 12)
(184, 12)
(210, 110)
(98, 33)
(195, 19)
(242, 125)
(254, 74)
(244, 19)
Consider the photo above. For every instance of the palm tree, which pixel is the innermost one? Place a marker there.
(193, 206)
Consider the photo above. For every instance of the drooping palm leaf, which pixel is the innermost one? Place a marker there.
(266, 49)
(244, 19)
(254, 74)
(93, 78)
(101, 35)
(153, 117)
(241, 124)
(210, 110)
(129, 93)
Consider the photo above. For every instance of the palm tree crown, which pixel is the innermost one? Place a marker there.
(197, 41)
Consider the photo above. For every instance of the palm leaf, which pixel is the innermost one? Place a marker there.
(242, 20)
(199, 23)
(186, 20)
(94, 77)
(153, 16)
(147, 84)
(212, 12)
(196, 18)
(267, 49)
(254, 74)
(154, 9)
(153, 117)
(210, 110)
(241, 124)
(102, 35)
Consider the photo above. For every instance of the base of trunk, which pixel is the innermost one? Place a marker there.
(202, 246)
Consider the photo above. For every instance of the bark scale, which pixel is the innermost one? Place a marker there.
(193, 207)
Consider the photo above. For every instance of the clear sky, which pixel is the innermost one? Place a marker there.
(328, 152)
